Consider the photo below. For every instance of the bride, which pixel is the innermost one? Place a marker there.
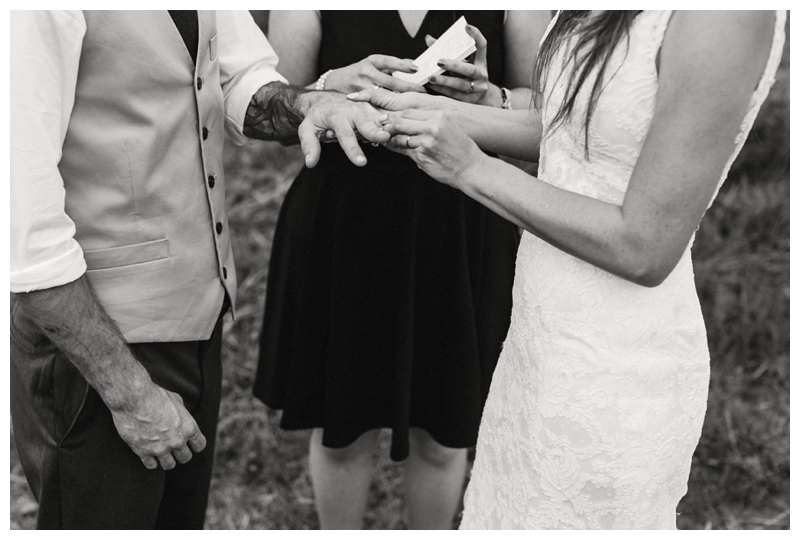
(597, 402)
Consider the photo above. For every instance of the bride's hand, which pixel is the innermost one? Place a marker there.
(435, 143)
(373, 70)
(393, 101)
(472, 83)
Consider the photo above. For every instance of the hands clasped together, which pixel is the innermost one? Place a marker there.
(428, 135)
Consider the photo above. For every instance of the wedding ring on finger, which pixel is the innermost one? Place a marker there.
(408, 141)
(471, 87)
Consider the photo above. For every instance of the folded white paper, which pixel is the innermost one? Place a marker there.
(454, 44)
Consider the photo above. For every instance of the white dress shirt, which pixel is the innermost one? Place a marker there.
(45, 55)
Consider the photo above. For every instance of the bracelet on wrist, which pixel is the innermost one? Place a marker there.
(505, 94)
(320, 84)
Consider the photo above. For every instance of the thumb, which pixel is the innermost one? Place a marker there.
(361, 95)
(429, 40)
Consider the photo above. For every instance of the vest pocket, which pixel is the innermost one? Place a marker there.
(99, 259)
(212, 48)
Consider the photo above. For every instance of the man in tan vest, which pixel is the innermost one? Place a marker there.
(120, 255)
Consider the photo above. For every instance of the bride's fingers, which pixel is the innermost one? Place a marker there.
(429, 40)
(407, 126)
(418, 114)
(404, 143)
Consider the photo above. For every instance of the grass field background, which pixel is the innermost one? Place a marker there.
(740, 471)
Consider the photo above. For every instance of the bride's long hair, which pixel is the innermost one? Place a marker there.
(596, 39)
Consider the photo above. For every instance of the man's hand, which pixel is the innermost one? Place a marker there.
(159, 429)
(150, 419)
(279, 112)
(331, 113)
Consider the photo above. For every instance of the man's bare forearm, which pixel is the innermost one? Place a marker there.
(276, 111)
(72, 317)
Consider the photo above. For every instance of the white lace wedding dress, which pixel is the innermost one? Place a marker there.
(598, 400)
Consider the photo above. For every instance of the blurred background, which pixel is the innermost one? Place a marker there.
(740, 471)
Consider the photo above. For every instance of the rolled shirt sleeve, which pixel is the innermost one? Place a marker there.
(246, 62)
(45, 53)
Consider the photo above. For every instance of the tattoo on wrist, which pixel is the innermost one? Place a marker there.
(272, 114)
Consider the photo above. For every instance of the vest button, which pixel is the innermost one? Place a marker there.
(224, 273)
(211, 181)
(199, 83)
(219, 227)
(205, 133)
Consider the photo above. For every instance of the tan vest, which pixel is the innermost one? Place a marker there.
(142, 169)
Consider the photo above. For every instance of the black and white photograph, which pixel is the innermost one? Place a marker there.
(399, 269)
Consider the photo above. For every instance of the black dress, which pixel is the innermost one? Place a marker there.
(389, 294)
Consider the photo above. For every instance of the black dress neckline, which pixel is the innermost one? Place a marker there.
(399, 19)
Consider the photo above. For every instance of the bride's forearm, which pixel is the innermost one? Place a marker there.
(587, 228)
(513, 133)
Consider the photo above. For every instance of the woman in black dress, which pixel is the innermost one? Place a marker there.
(389, 294)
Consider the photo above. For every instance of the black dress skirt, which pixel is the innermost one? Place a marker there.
(389, 294)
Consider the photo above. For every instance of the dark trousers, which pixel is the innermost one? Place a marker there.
(81, 472)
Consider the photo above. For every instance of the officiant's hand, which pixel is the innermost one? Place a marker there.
(468, 81)
(374, 70)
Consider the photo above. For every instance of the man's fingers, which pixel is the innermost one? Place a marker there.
(349, 143)
(182, 454)
(197, 443)
(166, 461)
(149, 462)
(309, 143)
(372, 131)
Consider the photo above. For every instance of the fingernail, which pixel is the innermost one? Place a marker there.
(440, 63)
(352, 96)
(414, 68)
(382, 118)
(433, 79)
